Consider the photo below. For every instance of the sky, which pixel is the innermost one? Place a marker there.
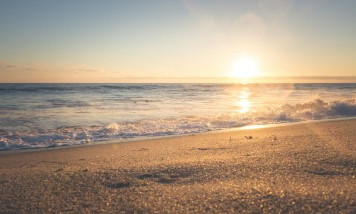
(175, 40)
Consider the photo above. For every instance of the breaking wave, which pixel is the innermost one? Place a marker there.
(317, 109)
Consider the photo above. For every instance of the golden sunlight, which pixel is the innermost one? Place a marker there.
(244, 67)
(244, 106)
(244, 103)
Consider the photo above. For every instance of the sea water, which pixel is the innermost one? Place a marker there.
(51, 115)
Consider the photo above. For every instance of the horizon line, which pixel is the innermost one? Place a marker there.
(212, 80)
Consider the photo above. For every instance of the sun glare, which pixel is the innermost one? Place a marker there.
(244, 67)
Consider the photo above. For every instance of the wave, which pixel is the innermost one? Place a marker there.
(56, 103)
(34, 87)
(75, 135)
(103, 88)
(44, 87)
(132, 86)
(314, 110)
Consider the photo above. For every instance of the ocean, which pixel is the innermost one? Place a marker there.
(52, 115)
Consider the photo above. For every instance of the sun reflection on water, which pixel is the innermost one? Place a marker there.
(244, 104)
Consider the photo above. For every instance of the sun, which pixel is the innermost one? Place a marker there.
(244, 67)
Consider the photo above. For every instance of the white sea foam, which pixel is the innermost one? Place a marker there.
(75, 135)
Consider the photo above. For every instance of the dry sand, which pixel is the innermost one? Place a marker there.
(296, 168)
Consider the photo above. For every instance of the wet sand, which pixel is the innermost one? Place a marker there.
(296, 168)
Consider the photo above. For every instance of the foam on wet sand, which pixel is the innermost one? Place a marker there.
(304, 167)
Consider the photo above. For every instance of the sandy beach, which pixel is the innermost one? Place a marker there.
(305, 167)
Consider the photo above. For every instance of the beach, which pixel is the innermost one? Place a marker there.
(232, 106)
(305, 167)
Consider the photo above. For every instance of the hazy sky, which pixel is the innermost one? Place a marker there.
(138, 40)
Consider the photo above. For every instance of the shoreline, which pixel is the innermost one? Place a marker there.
(142, 139)
(308, 167)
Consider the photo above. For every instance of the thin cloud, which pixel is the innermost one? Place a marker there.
(86, 69)
(17, 67)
